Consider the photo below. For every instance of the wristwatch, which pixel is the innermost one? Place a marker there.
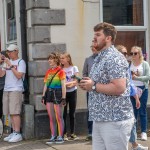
(94, 86)
(11, 66)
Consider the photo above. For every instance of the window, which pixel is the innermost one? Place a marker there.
(131, 38)
(129, 17)
(123, 12)
(11, 21)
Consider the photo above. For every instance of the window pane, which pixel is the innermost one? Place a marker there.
(131, 38)
(123, 12)
(11, 21)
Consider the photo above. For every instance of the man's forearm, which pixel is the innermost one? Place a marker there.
(110, 89)
(16, 73)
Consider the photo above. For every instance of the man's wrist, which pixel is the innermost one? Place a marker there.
(94, 86)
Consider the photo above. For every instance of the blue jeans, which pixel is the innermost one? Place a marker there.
(89, 123)
(133, 135)
(141, 112)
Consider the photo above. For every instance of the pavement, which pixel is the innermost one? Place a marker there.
(80, 144)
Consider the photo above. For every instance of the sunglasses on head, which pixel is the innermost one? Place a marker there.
(124, 53)
(10, 51)
(135, 53)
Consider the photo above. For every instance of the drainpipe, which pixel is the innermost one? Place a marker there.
(24, 40)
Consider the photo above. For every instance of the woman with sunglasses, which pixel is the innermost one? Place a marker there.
(141, 76)
(133, 93)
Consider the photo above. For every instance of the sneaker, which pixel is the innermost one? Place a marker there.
(59, 140)
(6, 139)
(73, 137)
(143, 136)
(17, 137)
(52, 140)
(140, 147)
(88, 138)
(66, 137)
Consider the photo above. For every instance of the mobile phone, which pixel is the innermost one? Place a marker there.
(77, 78)
(132, 72)
(3, 57)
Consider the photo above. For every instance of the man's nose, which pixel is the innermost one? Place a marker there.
(95, 38)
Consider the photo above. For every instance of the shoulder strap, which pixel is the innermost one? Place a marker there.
(18, 65)
(53, 77)
(19, 61)
(129, 64)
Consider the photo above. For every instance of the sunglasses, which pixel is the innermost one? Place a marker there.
(124, 53)
(10, 51)
(135, 53)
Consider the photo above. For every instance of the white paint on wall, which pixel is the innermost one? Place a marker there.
(2, 25)
(81, 17)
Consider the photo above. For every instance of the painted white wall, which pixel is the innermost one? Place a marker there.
(2, 25)
(17, 11)
(81, 17)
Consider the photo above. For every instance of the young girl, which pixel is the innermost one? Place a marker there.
(71, 95)
(55, 100)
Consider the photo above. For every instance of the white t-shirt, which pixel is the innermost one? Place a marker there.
(12, 83)
(69, 72)
(138, 69)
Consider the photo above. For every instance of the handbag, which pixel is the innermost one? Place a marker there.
(50, 93)
(139, 91)
(25, 86)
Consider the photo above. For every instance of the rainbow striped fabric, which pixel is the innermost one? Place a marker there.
(56, 82)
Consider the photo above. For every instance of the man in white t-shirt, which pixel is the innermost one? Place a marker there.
(12, 98)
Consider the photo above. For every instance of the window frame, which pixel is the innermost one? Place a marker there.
(6, 25)
(134, 28)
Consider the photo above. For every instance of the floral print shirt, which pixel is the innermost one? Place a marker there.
(108, 65)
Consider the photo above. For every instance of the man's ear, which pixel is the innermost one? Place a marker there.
(108, 38)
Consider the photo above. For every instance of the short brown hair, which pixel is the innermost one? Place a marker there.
(108, 30)
(56, 57)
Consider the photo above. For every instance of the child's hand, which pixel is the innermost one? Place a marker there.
(63, 101)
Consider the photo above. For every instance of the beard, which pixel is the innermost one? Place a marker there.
(101, 45)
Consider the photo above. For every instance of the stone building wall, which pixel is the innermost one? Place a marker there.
(40, 18)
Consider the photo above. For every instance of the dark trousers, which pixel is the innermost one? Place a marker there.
(142, 111)
(1, 103)
(71, 99)
(89, 123)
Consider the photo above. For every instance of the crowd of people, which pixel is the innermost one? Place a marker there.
(117, 92)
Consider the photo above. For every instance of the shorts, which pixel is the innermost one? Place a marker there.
(54, 95)
(12, 102)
